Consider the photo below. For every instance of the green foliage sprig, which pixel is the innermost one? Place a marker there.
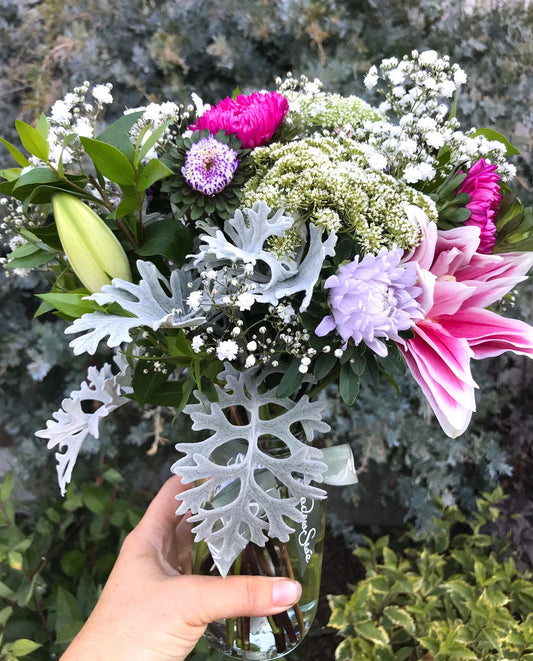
(455, 593)
(54, 561)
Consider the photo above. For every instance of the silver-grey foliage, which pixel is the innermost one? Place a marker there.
(273, 276)
(238, 503)
(148, 302)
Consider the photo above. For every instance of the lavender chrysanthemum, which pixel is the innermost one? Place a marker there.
(371, 299)
(209, 166)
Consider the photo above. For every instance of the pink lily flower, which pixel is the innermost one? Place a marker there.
(458, 284)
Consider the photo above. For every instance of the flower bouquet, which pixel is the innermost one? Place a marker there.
(240, 258)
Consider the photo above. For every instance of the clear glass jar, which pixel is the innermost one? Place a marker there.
(257, 638)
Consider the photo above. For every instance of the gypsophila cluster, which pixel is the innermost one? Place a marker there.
(75, 114)
(417, 91)
(155, 115)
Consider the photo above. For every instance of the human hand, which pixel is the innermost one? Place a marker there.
(151, 609)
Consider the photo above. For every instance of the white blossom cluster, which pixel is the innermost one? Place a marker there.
(310, 106)
(415, 90)
(226, 335)
(280, 333)
(13, 220)
(329, 182)
(156, 114)
(74, 114)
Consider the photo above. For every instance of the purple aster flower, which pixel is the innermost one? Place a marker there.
(209, 166)
(371, 299)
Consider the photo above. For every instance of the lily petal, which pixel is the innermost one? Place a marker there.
(489, 334)
(494, 275)
(450, 396)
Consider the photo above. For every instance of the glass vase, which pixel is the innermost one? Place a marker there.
(257, 638)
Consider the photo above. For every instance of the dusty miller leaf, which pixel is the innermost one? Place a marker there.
(148, 302)
(71, 424)
(244, 242)
(232, 460)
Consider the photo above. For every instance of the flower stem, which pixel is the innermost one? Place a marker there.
(290, 574)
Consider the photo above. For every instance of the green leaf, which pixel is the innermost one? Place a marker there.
(153, 171)
(126, 206)
(146, 381)
(323, 366)
(403, 653)
(371, 632)
(490, 134)
(67, 609)
(179, 346)
(23, 646)
(46, 235)
(43, 194)
(15, 560)
(42, 126)
(35, 177)
(348, 384)
(73, 563)
(11, 174)
(110, 161)
(71, 304)
(175, 394)
(7, 487)
(117, 134)
(167, 237)
(5, 614)
(5, 591)
(32, 140)
(17, 155)
(291, 380)
(400, 618)
(151, 141)
(28, 256)
(95, 498)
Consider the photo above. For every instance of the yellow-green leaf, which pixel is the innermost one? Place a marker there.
(370, 631)
(110, 161)
(32, 140)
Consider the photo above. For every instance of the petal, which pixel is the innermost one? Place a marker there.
(424, 252)
(325, 326)
(490, 334)
(494, 275)
(436, 344)
(448, 386)
(449, 296)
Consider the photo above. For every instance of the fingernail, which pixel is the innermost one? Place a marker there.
(286, 592)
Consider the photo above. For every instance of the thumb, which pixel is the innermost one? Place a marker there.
(211, 598)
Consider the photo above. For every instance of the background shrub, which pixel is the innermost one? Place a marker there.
(165, 50)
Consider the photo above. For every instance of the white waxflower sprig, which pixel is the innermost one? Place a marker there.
(77, 114)
(416, 91)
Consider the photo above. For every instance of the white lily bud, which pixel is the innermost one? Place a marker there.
(92, 249)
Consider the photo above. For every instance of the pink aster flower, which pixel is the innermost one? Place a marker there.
(481, 183)
(458, 284)
(253, 119)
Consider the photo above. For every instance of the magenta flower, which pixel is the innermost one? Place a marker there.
(481, 183)
(372, 299)
(458, 283)
(253, 119)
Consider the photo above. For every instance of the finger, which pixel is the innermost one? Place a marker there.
(235, 596)
(161, 513)
(161, 533)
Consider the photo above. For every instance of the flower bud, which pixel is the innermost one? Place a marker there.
(94, 252)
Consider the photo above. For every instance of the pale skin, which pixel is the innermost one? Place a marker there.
(151, 609)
